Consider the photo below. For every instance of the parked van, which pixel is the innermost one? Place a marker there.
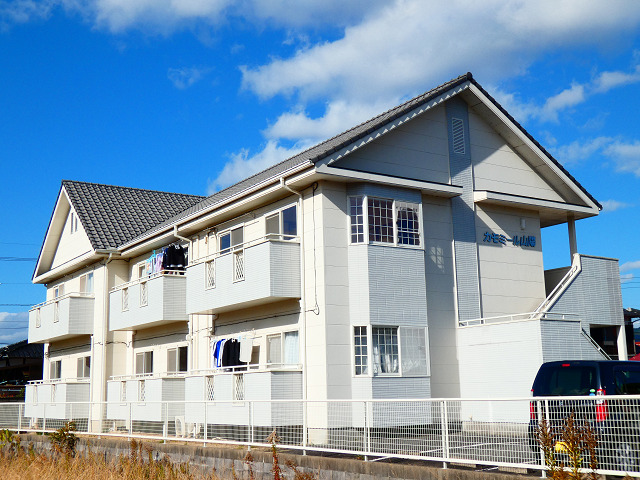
(616, 422)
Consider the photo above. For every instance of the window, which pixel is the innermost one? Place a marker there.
(380, 216)
(210, 274)
(283, 224)
(360, 350)
(55, 369)
(231, 239)
(56, 312)
(385, 350)
(407, 223)
(144, 363)
(177, 360)
(125, 299)
(86, 283)
(395, 350)
(84, 367)
(413, 348)
(144, 294)
(357, 219)
(283, 348)
(387, 221)
(142, 270)
(58, 291)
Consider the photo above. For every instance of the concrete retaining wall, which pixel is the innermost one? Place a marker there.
(222, 458)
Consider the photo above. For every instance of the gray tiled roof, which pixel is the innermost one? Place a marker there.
(113, 215)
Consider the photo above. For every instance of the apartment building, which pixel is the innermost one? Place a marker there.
(399, 259)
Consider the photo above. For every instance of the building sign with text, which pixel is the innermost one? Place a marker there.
(516, 241)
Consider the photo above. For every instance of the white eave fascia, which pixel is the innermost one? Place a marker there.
(439, 189)
(213, 210)
(43, 248)
(531, 203)
(86, 258)
(527, 141)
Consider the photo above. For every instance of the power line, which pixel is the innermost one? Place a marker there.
(17, 304)
(17, 259)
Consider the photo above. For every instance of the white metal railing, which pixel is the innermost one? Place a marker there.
(576, 268)
(59, 380)
(272, 237)
(262, 367)
(520, 317)
(491, 432)
(595, 344)
(63, 297)
(148, 376)
(146, 278)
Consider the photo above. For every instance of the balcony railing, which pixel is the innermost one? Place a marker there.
(520, 317)
(257, 272)
(62, 317)
(148, 301)
(55, 395)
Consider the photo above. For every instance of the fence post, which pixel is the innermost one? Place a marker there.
(546, 416)
(20, 407)
(44, 417)
(444, 426)
(165, 427)
(305, 427)
(367, 429)
(130, 420)
(250, 422)
(204, 436)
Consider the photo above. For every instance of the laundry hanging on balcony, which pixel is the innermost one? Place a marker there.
(232, 352)
(173, 257)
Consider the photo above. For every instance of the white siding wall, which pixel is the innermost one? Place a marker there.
(71, 245)
(417, 150)
(497, 167)
(511, 277)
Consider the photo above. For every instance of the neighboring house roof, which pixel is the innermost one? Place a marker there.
(344, 139)
(112, 215)
(22, 349)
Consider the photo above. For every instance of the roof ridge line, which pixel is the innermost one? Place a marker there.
(65, 182)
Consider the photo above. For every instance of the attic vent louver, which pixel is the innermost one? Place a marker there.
(457, 129)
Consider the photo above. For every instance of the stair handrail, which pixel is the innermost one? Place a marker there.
(574, 270)
(595, 344)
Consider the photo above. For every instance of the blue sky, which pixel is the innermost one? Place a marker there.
(192, 95)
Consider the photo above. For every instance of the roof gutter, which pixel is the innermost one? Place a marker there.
(177, 235)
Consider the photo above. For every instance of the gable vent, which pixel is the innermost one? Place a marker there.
(457, 129)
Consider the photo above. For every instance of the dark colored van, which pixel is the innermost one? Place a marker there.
(617, 421)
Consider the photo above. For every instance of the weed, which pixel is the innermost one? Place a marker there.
(578, 442)
(64, 441)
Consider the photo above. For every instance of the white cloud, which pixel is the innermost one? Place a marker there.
(10, 323)
(627, 277)
(22, 11)
(608, 80)
(413, 43)
(185, 77)
(565, 99)
(242, 164)
(628, 266)
(580, 149)
(338, 116)
(626, 156)
(613, 205)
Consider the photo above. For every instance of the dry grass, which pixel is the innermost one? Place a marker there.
(18, 463)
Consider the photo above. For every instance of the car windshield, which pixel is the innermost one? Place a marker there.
(566, 380)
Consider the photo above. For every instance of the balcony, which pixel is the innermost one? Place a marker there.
(149, 301)
(62, 317)
(251, 274)
(52, 399)
(140, 397)
(226, 393)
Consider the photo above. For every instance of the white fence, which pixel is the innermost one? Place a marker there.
(496, 432)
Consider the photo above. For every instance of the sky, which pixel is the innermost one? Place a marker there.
(191, 96)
